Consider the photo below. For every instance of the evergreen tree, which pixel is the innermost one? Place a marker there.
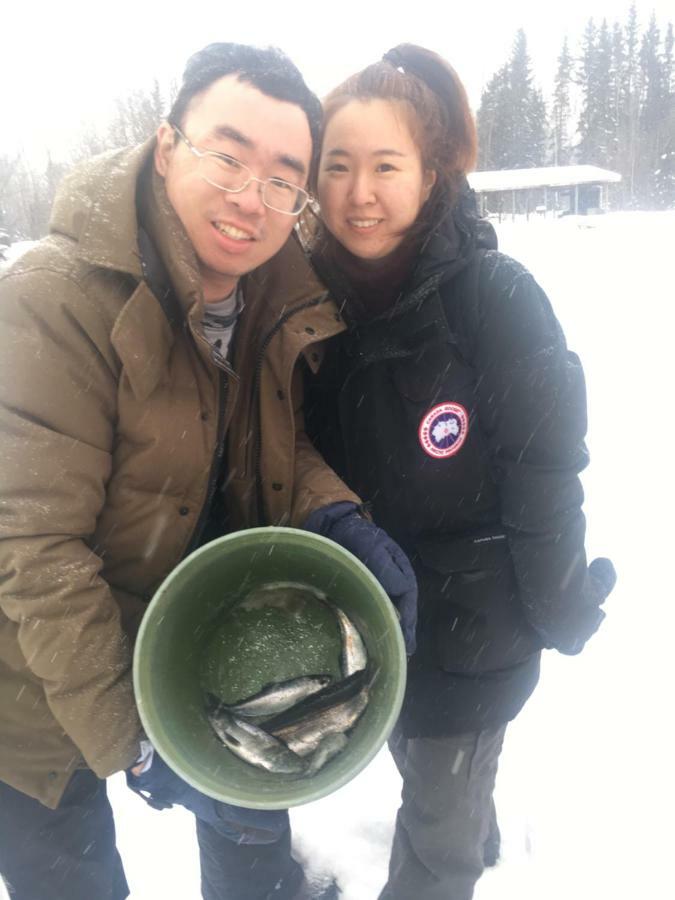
(561, 143)
(493, 120)
(668, 71)
(588, 76)
(625, 81)
(665, 173)
(607, 121)
(652, 108)
(619, 101)
(512, 115)
(138, 115)
(631, 116)
(527, 109)
(534, 151)
(598, 76)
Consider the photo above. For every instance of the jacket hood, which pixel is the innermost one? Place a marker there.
(458, 233)
(96, 206)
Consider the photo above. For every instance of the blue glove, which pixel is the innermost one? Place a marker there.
(603, 575)
(160, 787)
(342, 523)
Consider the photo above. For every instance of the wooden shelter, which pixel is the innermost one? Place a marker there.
(577, 190)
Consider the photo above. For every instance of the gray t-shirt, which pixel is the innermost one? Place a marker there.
(219, 320)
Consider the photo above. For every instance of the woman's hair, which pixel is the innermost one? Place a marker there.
(435, 104)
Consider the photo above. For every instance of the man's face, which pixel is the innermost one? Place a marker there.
(233, 233)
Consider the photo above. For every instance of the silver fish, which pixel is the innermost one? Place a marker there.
(334, 693)
(305, 736)
(256, 746)
(276, 697)
(329, 747)
(285, 595)
(353, 656)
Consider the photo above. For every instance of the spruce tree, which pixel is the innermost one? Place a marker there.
(561, 143)
(588, 76)
(606, 121)
(492, 120)
(512, 115)
(534, 151)
(652, 107)
(631, 109)
(665, 178)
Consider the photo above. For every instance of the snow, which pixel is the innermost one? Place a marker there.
(13, 252)
(585, 789)
(547, 176)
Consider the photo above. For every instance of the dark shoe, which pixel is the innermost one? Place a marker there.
(318, 888)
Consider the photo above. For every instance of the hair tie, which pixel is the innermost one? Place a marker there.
(426, 70)
(394, 57)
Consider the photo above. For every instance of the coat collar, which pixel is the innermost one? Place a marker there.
(116, 208)
(96, 207)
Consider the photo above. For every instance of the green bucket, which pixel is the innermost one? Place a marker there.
(180, 654)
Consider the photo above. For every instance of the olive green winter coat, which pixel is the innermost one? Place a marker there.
(111, 411)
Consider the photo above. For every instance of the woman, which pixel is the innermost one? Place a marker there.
(452, 405)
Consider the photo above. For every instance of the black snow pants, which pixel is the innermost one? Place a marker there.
(69, 853)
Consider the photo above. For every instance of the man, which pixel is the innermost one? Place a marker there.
(129, 407)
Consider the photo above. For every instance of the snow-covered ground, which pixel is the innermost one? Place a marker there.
(585, 792)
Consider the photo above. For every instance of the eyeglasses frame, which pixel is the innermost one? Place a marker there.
(200, 154)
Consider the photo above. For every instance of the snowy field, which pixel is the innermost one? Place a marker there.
(585, 792)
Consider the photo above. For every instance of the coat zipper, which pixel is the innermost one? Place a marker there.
(257, 450)
(218, 454)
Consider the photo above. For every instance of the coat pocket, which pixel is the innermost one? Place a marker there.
(469, 587)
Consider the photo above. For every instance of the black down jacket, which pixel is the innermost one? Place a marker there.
(460, 417)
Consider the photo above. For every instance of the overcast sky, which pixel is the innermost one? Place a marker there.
(62, 63)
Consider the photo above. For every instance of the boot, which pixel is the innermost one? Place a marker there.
(318, 888)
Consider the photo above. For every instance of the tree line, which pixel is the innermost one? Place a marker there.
(612, 105)
(27, 192)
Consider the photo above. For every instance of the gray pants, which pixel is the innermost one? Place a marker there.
(445, 814)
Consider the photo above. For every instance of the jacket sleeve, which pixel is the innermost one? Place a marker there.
(58, 392)
(531, 401)
(315, 483)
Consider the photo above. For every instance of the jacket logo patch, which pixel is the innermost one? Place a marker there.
(443, 430)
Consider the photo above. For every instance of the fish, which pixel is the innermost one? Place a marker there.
(304, 736)
(334, 693)
(277, 697)
(329, 747)
(285, 595)
(256, 746)
(353, 656)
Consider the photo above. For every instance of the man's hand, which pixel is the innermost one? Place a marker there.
(161, 788)
(343, 523)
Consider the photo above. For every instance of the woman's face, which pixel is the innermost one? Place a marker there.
(372, 183)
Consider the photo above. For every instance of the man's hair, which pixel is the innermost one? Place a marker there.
(266, 68)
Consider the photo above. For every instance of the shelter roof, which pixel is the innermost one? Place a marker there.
(548, 176)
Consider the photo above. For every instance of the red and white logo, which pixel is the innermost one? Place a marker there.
(443, 430)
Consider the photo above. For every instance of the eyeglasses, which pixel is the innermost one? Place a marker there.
(227, 174)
